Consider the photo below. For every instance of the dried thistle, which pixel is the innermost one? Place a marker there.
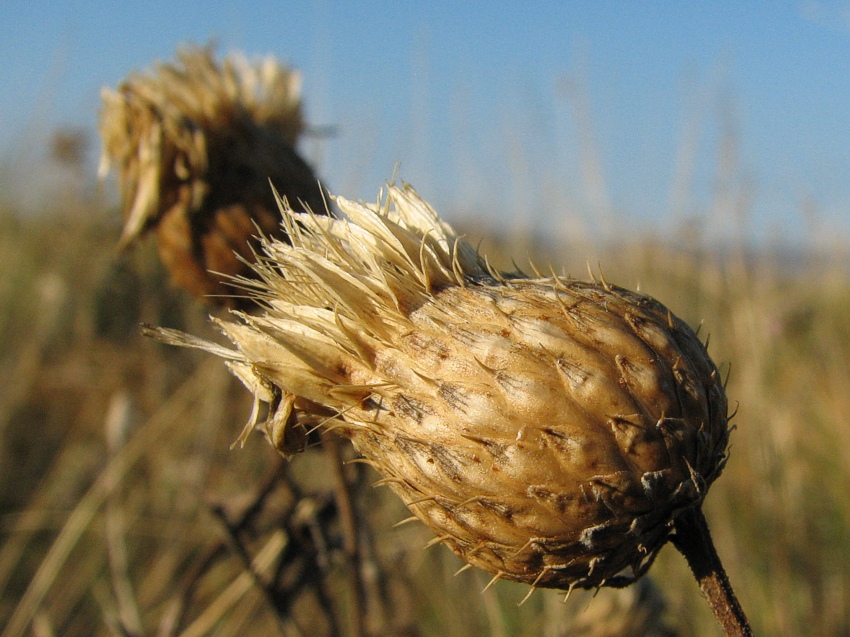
(550, 431)
(195, 143)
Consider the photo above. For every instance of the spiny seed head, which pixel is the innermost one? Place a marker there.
(195, 143)
(547, 430)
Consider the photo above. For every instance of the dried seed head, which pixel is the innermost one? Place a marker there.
(637, 611)
(547, 430)
(195, 144)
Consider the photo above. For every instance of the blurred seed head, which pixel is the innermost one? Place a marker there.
(195, 143)
(69, 147)
(548, 430)
(636, 611)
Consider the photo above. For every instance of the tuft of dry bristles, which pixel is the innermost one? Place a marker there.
(195, 143)
(548, 430)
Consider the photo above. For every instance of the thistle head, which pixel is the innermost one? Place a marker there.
(548, 430)
(195, 143)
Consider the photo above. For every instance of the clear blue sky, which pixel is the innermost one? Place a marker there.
(537, 111)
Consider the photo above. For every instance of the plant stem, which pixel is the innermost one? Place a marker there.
(693, 540)
(350, 535)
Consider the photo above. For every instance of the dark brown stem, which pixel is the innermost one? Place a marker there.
(693, 540)
(350, 535)
(239, 548)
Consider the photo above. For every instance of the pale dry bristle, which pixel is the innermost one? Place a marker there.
(195, 143)
(548, 431)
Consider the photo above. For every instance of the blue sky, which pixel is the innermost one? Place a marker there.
(557, 114)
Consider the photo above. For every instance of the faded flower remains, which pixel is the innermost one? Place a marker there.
(549, 431)
(195, 142)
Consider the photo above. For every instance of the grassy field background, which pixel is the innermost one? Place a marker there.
(115, 450)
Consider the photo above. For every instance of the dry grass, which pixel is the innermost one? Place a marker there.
(114, 453)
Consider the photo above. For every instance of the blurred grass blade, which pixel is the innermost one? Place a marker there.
(119, 419)
(95, 497)
(206, 622)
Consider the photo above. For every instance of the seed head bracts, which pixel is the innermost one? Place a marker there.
(195, 143)
(548, 430)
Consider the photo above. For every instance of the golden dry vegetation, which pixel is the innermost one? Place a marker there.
(119, 493)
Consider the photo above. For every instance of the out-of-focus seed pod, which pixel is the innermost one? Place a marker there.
(196, 143)
(637, 611)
